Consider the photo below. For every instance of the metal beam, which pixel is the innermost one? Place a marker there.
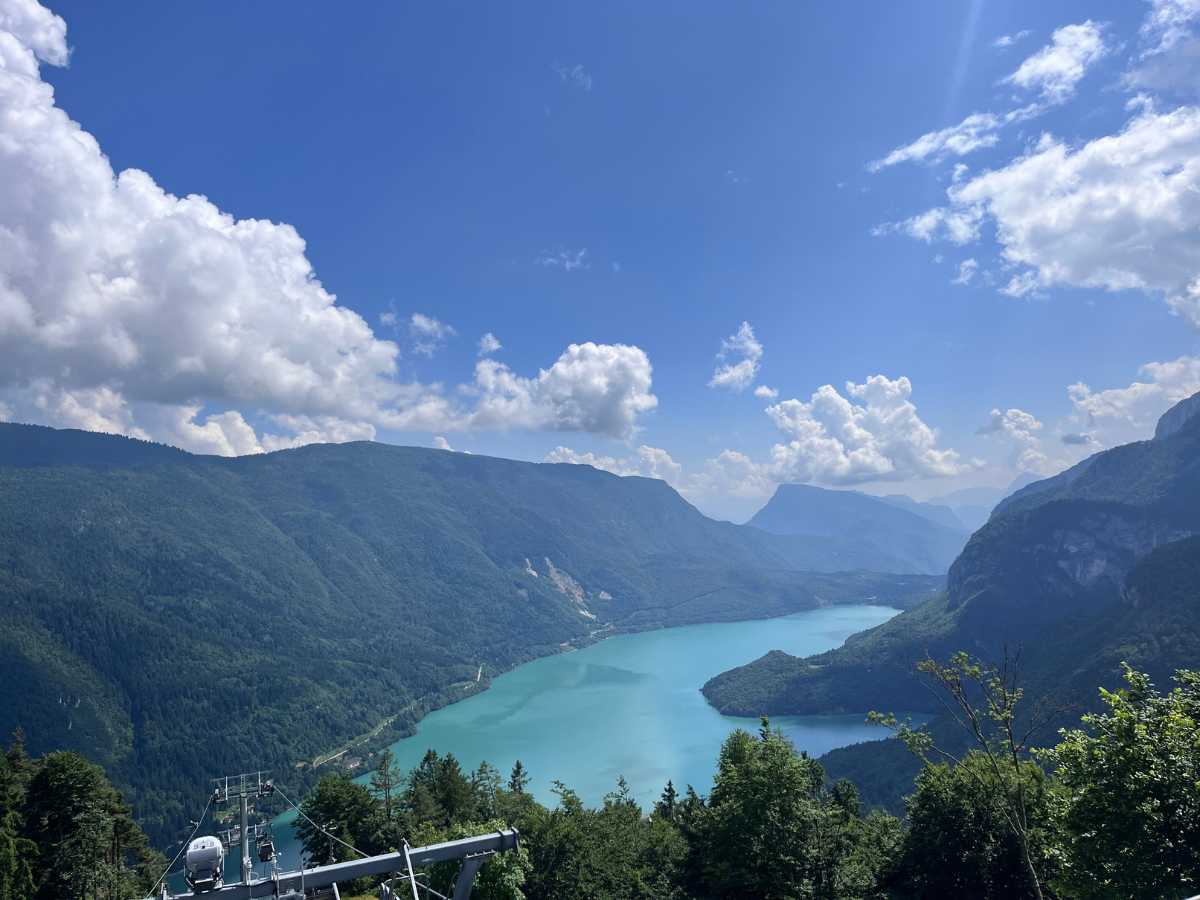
(466, 876)
(323, 876)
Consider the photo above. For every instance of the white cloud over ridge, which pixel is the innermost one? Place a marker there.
(124, 308)
(738, 361)
(1134, 410)
(1099, 418)
(596, 388)
(649, 462)
(871, 433)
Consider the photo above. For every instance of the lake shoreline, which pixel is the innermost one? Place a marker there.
(628, 708)
(379, 737)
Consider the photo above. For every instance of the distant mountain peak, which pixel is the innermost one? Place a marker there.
(904, 535)
(1173, 420)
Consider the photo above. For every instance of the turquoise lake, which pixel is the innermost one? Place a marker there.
(631, 706)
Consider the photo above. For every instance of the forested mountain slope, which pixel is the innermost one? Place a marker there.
(917, 537)
(1076, 573)
(177, 617)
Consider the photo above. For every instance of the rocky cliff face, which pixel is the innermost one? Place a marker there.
(1075, 551)
(1174, 419)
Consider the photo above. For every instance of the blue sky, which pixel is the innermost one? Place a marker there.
(645, 178)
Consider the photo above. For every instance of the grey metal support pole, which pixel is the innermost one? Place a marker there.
(412, 878)
(465, 879)
(247, 866)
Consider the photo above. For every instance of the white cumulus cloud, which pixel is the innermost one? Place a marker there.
(489, 344)
(124, 308)
(1022, 430)
(597, 388)
(1021, 285)
(738, 361)
(1056, 69)
(872, 433)
(1014, 423)
(1119, 212)
(1170, 56)
(958, 225)
(428, 334)
(115, 294)
(967, 270)
(731, 474)
(36, 28)
(763, 392)
(1168, 23)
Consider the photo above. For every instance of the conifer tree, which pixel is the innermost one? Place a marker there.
(519, 779)
(383, 780)
(666, 803)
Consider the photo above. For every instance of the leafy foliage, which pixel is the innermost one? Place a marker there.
(1130, 799)
(984, 701)
(771, 830)
(959, 841)
(1121, 819)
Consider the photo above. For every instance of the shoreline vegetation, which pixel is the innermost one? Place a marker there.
(1001, 819)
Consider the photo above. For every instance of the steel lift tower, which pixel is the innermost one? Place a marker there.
(242, 789)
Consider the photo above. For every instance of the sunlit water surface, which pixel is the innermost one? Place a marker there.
(629, 706)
